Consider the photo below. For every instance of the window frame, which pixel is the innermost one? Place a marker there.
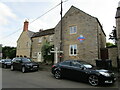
(51, 38)
(40, 40)
(74, 47)
(72, 29)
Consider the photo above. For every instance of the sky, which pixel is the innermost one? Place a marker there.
(13, 13)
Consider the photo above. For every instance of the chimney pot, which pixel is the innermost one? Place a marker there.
(40, 30)
(25, 28)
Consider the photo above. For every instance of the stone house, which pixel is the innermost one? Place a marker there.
(117, 17)
(82, 36)
(38, 39)
(29, 43)
(24, 42)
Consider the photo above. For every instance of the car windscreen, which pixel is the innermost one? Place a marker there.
(26, 60)
(8, 60)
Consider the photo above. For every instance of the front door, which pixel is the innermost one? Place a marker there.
(39, 57)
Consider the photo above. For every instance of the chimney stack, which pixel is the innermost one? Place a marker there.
(25, 28)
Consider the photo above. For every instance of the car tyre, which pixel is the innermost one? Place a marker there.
(23, 69)
(93, 80)
(12, 68)
(57, 74)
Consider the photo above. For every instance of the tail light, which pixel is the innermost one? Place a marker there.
(53, 66)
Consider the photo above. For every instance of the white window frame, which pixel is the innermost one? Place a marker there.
(40, 39)
(72, 29)
(35, 54)
(73, 54)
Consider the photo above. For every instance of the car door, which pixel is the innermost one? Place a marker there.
(78, 71)
(18, 63)
(65, 68)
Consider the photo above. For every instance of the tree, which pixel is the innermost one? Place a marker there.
(9, 52)
(47, 56)
(113, 35)
(108, 44)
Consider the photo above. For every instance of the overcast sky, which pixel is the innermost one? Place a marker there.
(14, 12)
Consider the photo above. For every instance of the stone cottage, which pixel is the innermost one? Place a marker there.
(82, 36)
(24, 42)
(30, 43)
(38, 39)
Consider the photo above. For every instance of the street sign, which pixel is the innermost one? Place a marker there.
(81, 38)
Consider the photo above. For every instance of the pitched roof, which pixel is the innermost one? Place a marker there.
(73, 7)
(44, 32)
(30, 33)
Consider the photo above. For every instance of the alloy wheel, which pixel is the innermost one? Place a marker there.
(57, 74)
(23, 69)
(12, 68)
(93, 80)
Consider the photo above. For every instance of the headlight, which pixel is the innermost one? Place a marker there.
(29, 64)
(105, 74)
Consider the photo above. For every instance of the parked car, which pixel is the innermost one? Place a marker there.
(6, 63)
(24, 64)
(83, 71)
(1, 62)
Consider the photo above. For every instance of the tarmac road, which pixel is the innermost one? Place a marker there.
(41, 79)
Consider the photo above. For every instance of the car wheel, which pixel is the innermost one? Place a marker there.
(2, 66)
(93, 80)
(23, 69)
(12, 68)
(57, 74)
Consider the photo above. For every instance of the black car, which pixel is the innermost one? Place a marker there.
(84, 71)
(24, 64)
(6, 63)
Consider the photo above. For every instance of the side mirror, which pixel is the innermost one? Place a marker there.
(82, 68)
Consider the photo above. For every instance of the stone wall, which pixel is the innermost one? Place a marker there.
(37, 43)
(88, 27)
(112, 54)
(24, 45)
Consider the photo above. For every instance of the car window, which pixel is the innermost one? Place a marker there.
(26, 60)
(8, 60)
(67, 63)
(15, 59)
(87, 65)
(75, 64)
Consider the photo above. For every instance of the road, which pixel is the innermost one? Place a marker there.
(40, 79)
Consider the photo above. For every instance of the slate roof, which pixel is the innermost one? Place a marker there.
(30, 33)
(44, 32)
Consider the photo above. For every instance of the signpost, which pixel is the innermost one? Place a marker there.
(81, 38)
(56, 51)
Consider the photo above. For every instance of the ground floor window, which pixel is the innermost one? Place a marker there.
(73, 50)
